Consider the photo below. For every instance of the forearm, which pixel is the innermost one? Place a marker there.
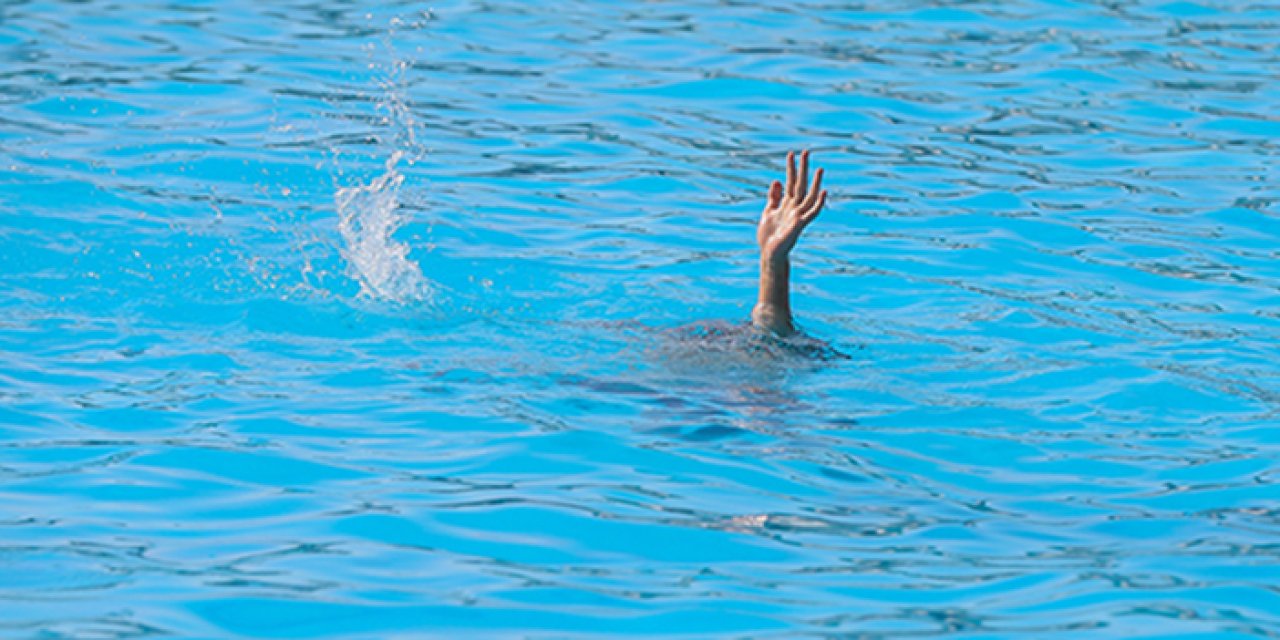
(773, 306)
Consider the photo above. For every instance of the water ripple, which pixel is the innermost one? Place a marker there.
(344, 320)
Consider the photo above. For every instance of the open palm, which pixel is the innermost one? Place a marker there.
(789, 209)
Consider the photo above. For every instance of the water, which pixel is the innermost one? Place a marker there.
(328, 320)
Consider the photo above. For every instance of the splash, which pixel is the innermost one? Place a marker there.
(368, 216)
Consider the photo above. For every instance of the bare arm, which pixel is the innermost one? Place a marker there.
(786, 214)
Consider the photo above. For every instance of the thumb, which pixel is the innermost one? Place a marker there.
(775, 194)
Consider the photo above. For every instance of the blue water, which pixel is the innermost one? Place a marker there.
(340, 321)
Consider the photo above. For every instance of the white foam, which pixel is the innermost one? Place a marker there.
(368, 215)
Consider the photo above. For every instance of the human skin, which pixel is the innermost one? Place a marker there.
(787, 212)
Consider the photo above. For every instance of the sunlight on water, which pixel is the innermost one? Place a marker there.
(368, 216)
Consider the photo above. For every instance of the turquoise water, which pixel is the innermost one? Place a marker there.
(341, 321)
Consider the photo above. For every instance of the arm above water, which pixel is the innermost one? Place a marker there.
(787, 212)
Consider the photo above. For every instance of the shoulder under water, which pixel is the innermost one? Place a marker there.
(700, 357)
(747, 340)
(720, 353)
(705, 380)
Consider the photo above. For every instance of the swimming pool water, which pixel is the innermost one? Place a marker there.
(357, 320)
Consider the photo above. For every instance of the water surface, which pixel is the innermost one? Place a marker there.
(344, 321)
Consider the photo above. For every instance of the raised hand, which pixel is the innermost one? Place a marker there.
(789, 209)
(786, 214)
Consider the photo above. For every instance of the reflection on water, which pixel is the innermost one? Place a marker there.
(1038, 401)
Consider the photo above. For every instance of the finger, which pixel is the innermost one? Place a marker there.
(803, 177)
(813, 191)
(775, 194)
(791, 172)
(810, 215)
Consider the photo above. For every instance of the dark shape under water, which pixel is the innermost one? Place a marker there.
(747, 339)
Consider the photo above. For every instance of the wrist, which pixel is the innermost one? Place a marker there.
(776, 261)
